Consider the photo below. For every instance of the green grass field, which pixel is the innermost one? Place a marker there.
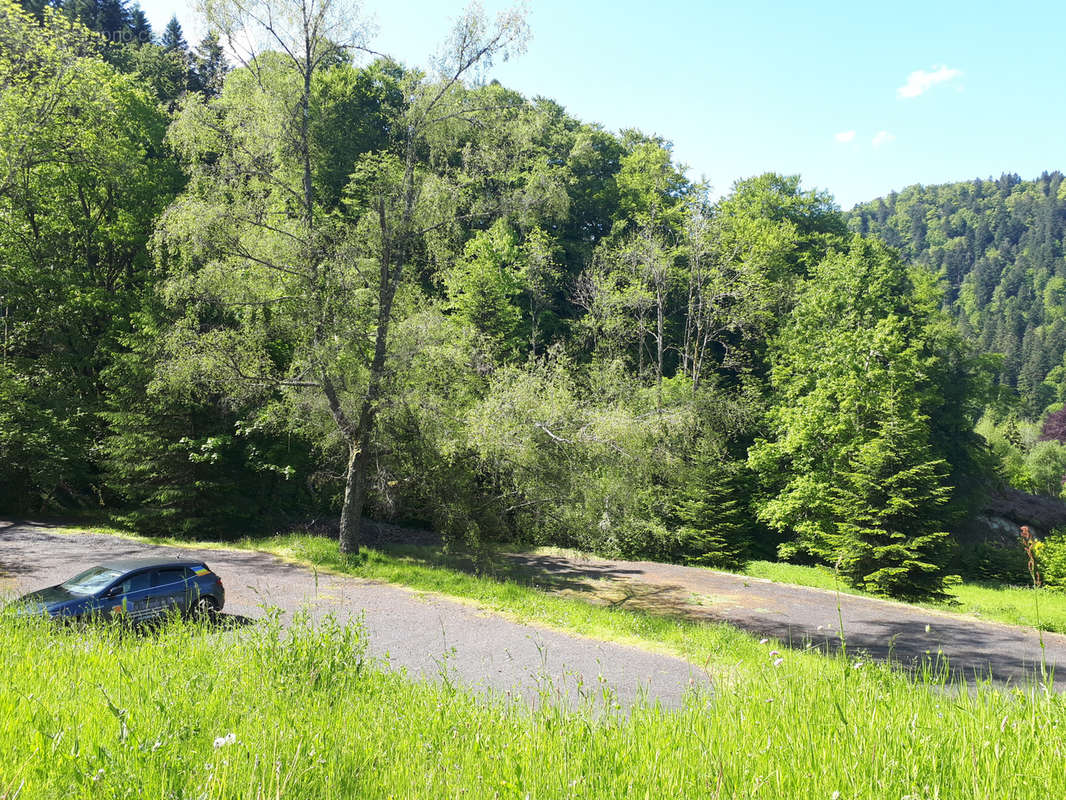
(186, 712)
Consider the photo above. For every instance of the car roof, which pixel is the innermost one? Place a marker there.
(130, 564)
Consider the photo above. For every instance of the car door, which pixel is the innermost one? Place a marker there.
(169, 591)
(130, 597)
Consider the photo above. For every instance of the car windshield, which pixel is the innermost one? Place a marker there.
(91, 581)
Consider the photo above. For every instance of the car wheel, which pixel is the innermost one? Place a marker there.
(206, 608)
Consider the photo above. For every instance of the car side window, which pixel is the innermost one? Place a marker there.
(165, 577)
(135, 583)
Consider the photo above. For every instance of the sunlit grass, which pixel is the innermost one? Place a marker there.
(1013, 605)
(101, 713)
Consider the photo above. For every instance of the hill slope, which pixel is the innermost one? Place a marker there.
(998, 246)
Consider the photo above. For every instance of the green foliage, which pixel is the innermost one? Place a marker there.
(888, 537)
(712, 509)
(603, 464)
(84, 177)
(42, 446)
(997, 245)
(1024, 461)
(991, 563)
(184, 465)
(371, 287)
(483, 288)
(1051, 559)
(855, 469)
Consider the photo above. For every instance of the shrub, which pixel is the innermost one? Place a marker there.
(982, 561)
(1051, 559)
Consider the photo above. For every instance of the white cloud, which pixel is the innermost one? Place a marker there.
(844, 136)
(882, 137)
(920, 81)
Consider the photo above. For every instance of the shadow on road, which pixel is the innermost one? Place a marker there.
(952, 648)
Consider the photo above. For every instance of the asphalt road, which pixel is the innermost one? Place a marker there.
(801, 616)
(426, 636)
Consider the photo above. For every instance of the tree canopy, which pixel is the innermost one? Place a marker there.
(280, 276)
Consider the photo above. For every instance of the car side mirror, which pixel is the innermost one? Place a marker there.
(114, 591)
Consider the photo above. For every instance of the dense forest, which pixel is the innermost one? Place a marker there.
(303, 285)
(997, 246)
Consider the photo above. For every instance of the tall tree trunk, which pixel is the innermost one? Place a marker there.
(355, 495)
(352, 509)
(660, 333)
(359, 455)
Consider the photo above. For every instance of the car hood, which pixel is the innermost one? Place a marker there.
(51, 598)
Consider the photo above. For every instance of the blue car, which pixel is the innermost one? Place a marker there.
(136, 589)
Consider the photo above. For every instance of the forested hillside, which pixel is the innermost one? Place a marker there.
(998, 247)
(322, 287)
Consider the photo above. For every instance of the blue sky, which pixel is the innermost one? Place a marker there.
(859, 99)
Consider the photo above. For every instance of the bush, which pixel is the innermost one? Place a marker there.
(982, 561)
(1051, 559)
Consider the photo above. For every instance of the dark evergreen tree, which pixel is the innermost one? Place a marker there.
(140, 28)
(113, 20)
(715, 526)
(209, 66)
(173, 39)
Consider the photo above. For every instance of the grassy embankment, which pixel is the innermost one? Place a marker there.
(99, 713)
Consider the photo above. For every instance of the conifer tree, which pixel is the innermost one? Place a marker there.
(173, 39)
(140, 28)
(862, 373)
(209, 66)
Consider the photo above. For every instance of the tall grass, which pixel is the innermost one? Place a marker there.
(102, 713)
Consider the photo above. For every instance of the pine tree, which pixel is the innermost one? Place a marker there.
(870, 392)
(889, 537)
(112, 19)
(714, 521)
(173, 39)
(140, 28)
(209, 66)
